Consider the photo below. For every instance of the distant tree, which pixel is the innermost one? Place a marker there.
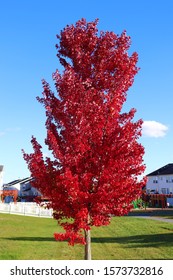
(97, 158)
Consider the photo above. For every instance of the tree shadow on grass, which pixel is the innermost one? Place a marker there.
(30, 238)
(139, 241)
(136, 241)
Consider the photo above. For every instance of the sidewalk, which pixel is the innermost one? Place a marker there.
(158, 214)
(156, 218)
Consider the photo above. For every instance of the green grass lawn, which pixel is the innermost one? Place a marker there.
(125, 238)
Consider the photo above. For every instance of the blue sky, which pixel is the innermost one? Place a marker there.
(27, 54)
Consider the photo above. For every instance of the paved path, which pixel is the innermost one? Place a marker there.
(154, 214)
(156, 218)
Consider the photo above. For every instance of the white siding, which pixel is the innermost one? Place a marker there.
(16, 186)
(160, 184)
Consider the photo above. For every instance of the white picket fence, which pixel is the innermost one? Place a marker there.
(26, 208)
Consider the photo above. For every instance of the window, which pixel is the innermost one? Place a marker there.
(169, 179)
(155, 180)
(164, 190)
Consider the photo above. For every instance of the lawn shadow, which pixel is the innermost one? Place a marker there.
(139, 241)
(135, 241)
(30, 238)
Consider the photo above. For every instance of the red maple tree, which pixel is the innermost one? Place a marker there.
(97, 157)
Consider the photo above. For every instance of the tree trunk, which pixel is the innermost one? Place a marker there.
(87, 245)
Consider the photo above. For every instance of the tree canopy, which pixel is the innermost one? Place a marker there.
(97, 155)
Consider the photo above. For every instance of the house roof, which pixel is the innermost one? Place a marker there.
(25, 180)
(165, 170)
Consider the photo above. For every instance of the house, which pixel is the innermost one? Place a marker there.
(26, 192)
(161, 180)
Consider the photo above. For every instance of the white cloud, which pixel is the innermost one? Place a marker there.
(154, 129)
(13, 129)
(10, 130)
